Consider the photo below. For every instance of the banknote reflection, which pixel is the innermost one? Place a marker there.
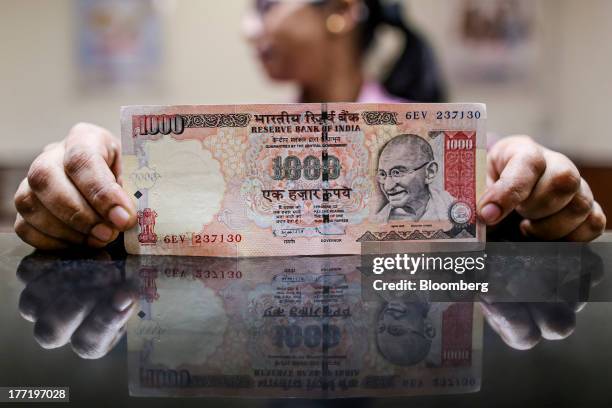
(291, 327)
(404, 337)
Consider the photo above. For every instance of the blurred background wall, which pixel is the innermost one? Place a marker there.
(564, 103)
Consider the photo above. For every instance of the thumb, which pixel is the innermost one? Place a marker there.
(515, 165)
(91, 160)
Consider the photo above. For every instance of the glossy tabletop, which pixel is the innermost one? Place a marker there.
(569, 372)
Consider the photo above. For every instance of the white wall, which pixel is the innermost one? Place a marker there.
(585, 79)
(208, 62)
(568, 105)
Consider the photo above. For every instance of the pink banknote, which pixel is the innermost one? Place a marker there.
(302, 179)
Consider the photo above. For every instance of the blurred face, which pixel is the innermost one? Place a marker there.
(402, 175)
(289, 37)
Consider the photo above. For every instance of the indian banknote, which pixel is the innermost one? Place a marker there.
(297, 179)
(291, 327)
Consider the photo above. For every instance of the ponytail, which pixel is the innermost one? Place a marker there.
(415, 75)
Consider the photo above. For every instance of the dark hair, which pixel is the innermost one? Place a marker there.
(415, 75)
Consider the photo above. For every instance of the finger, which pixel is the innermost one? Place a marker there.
(33, 266)
(32, 301)
(513, 323)
(565, 221)
(103, 327)
(38, 293)
(61, 319)
(29, 307)
(554, 190)
(83, 278)
(40, 273)
(99, 236)
(35, 214)
(591, 228)
(48, 181)
(516, 166)
(105, 231)
(91, 153)
(556, 321)
(37, 239)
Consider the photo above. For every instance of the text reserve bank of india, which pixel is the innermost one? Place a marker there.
(302, 179)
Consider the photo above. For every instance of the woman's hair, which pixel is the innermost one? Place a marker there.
(415, 75)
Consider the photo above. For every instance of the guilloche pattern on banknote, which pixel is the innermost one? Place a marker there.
(261, 180)
(291, 327)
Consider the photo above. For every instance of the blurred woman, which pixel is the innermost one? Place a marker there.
(320, 45)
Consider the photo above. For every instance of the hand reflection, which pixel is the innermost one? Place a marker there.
(84, 302)
(522, 325)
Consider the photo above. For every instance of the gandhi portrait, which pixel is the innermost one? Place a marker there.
(405, 172)
(404, 335)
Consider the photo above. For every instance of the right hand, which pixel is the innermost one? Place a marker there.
(72, 194)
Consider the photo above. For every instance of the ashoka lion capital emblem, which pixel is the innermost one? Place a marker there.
(146, 221)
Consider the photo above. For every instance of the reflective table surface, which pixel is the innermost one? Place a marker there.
(283, 332)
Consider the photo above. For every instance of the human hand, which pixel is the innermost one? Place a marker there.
(544, 188)
(536, 298)
(523, 325)
(73, 194)
(84, 302)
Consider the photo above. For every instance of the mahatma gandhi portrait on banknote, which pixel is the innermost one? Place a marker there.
(406, 175)
(272, 180)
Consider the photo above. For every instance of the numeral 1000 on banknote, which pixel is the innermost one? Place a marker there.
(303, 179)
(164, 124)
(291, 168)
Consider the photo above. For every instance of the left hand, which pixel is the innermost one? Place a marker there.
(544, 187)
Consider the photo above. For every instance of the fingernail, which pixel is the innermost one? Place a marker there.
(119, 216)
(525, 226)
(490, 213)
(122, 301)
(102, 232)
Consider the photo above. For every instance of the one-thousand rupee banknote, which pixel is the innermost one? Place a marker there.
(302, 179)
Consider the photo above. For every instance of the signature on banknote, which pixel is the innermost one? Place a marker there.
(299, 179)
